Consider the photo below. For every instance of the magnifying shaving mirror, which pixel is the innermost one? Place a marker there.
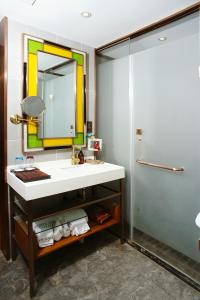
(32, 106)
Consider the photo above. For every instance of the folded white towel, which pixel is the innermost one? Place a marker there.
(45, 238)
(58, 231)
(49, 223)
(54, 228)
(66, 230)
(78, 222)
(79, 230)
(44, 224)
(79, 227)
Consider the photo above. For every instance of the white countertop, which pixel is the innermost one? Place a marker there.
(64, 178)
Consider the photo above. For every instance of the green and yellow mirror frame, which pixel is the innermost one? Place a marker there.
(30, 137)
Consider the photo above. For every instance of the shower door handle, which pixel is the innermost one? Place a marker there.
(173, 169)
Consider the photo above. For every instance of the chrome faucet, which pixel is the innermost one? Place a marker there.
(74, 156)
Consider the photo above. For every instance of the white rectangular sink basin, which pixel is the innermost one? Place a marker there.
(74, 167)
(64, 178)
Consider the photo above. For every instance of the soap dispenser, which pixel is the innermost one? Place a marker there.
(81, 157)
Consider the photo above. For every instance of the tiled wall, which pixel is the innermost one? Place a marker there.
(15, 84)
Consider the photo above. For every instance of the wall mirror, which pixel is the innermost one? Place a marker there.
(57, 74)
(57, 87)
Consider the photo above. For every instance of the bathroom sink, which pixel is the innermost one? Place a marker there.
(83, 166)
(64, 178)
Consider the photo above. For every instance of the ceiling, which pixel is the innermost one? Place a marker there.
(185, 27)
(110, 19)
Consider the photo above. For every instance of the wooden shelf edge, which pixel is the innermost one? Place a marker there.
(94, 228)
(40, 252)
(82, 205)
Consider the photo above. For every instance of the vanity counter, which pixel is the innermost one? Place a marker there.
(64, 178)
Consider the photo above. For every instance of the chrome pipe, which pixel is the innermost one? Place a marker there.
(173, 169)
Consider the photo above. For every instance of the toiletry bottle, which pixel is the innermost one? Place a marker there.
(81, 157)
(30, 161)
(19, 162)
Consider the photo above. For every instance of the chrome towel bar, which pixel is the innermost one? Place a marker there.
(173, 169)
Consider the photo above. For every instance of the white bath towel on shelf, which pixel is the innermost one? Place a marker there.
(58, 231)
(79, 227)
(77, 222)
(45, 238)
(54, 228)
(66, 230)
(44, 224)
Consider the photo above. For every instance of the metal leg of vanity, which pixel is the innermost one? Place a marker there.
(25, 240)
(12, 215)
(31, 249)
(122, 190)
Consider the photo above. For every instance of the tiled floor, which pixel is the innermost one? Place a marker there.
(99, 269)
(171, 256)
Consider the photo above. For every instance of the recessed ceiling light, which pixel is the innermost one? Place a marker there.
(86, 14)
(162, 38)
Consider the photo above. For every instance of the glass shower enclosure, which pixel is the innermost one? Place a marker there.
(148, 109)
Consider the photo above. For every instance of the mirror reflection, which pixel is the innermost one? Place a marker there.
(57, 87)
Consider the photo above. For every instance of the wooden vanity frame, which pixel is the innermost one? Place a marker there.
(24, 239)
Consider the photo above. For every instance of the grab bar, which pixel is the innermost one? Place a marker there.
(173, 169)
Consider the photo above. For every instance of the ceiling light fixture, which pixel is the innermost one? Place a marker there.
(162, 38)
(86, 14)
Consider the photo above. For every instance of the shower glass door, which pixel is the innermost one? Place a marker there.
(166, 129)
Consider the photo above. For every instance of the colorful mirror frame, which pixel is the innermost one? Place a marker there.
(30, 139)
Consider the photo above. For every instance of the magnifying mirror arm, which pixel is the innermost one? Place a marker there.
(16, 119)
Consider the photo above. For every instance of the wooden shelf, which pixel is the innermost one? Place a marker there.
(21, 236)
(94, 228)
